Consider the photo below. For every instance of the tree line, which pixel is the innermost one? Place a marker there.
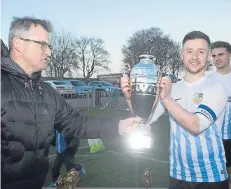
(70, 55)
(86, 56)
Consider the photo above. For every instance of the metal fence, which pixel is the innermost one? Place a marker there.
(95, 99)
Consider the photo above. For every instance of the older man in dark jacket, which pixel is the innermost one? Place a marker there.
(31, 109)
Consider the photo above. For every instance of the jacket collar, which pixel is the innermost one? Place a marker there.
(8, 65)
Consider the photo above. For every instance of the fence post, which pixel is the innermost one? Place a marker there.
(93, 98)
(97, 98)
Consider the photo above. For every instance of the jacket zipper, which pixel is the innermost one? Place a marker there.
(36, 132)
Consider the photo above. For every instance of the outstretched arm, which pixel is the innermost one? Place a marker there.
(72, 123)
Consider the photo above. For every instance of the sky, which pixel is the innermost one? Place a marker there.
(115, 21)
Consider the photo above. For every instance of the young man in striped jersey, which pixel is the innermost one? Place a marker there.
(221, 54)
(196, 110)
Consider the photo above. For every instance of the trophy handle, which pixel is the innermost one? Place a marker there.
(157, 96)
(126, 73)
(126, 69)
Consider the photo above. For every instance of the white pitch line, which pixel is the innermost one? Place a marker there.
(117, 153)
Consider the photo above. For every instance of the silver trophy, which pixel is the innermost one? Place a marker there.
(144, 96)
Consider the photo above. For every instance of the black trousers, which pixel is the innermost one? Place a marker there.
(179, 184)
(227, 146)
(30, 183)
(66, 158)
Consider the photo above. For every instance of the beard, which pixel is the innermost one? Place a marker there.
(197, 70)
(221, 65)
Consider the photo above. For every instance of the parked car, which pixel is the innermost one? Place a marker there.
(103, 86)
(80, 87)
(64, 89)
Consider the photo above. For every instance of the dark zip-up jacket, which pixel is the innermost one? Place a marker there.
(30, 111)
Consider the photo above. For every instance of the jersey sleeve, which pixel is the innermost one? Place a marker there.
(213, 103)
(158, 111)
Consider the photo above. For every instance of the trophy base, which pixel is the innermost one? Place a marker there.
(140, 140)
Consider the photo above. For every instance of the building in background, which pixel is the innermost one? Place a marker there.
(113, 78)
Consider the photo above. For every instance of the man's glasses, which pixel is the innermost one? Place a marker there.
(43, 44)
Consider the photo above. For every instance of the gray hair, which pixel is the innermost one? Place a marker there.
(21, 26)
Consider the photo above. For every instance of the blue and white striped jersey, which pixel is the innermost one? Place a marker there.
(200, 157)
(226, 81)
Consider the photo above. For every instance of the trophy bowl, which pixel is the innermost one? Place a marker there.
(144, 96)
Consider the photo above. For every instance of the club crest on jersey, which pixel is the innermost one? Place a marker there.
(229, 99)
(197, 98)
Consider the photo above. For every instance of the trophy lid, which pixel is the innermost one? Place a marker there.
(146, 56)
(146, 67)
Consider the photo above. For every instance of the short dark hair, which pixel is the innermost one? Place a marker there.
(221, 44)
(196, 35)
(21, 25)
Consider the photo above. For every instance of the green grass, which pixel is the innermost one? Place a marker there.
(116, 167)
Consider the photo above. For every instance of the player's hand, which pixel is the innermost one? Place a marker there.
(125, 87)
(165, 87)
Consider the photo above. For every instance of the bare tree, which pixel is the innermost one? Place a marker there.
(175, 64)
(151, 41)
(210, 65)
(141, 42)
(63, 55)
(91, 56)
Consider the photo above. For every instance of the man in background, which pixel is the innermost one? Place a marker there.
(65, 154)
(221, 54)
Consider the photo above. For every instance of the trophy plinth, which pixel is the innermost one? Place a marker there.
(68, 181)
